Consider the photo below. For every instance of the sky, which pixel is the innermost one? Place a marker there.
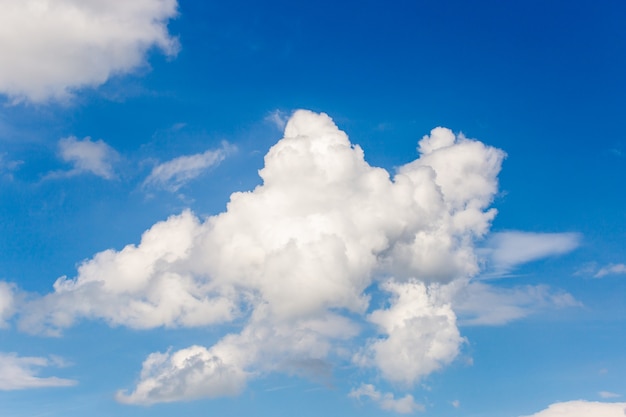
(312, 208)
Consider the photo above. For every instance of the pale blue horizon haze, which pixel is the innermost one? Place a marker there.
(323, 208)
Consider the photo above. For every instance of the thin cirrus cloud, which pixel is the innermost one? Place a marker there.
(506, 250)
(291, 263)
(173, 174)
(86, 157)
(479, 304)
(50, 48)
(7, 167)
(608, 394)
(278, 118)
(20, 372)
(611, 269)
(582, 408)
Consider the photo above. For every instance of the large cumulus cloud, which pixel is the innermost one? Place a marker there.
(295, 261)
(50, 47)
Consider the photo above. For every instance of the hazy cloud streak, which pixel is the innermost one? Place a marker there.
(21, 373)
(173, 174)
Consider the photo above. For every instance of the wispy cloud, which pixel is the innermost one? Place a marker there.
(86, 157)
(484, 304)
(173, 174)
(608, 394)
(387, 401)
(505, 251)
(7, 166)
(278, 118)
(611, 269)
(18, 373)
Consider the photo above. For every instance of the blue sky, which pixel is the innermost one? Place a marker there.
(312, 208)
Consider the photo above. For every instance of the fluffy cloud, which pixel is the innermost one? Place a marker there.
(298, 347)
(420, 333)
(583, 409)
(21, 373)
(294, 261)
(188, 373)
(387, 401)
(172, 175)
(49, 48)
(87, 157)
(506, 250)
(140, 286)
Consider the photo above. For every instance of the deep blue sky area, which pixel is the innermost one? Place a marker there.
(116, 116)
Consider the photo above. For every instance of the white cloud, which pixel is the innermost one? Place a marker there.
(21, 373)
(7, 302)
(610, 270)
(172, 175)
(50, 48)
(506, 250)
(420, 334)
(264, 345)
(608, 394)
(387, 401)
(186, 374)
(582, 408)
(292, 259)
(87, 157)
(141, 286)
(482, 304)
